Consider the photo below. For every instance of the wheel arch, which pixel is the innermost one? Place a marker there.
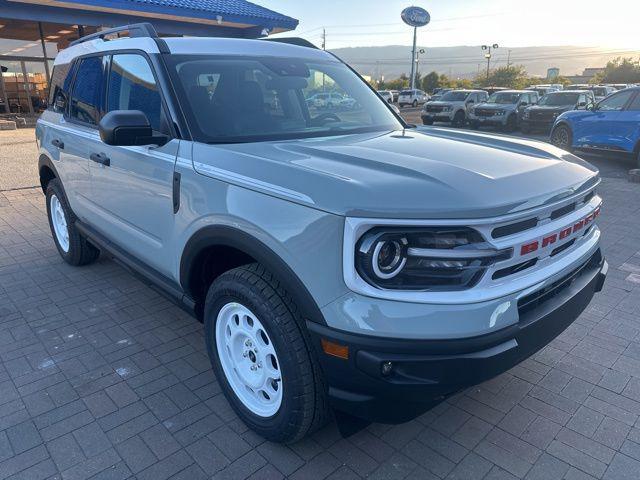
(237, 248)
(46, 172)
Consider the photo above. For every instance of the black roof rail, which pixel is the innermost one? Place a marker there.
(300, 42)
(135, 30)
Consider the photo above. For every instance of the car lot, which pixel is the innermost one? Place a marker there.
(103, 378)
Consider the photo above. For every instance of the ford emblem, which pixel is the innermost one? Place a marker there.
(415, 16)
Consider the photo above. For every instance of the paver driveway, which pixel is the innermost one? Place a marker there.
(100, 377)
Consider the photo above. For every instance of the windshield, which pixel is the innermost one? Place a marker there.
(557, 99)
(406, 92)
(235, 99)
(504, 98)
(454, 96)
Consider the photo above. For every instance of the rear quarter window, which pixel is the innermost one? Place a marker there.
(59, 88)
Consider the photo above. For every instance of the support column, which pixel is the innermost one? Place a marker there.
(25, 79)
(44, 53)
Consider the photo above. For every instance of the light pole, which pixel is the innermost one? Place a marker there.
(487, 55)
(418, 53)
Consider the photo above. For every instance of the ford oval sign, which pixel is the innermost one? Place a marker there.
(415, 16)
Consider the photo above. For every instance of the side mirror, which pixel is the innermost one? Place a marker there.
(470, 102)
(128, 127)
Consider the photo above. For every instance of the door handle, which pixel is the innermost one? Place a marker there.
(100, 158)
(57, 143)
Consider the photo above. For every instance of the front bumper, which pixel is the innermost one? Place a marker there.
(537, 124)
(496, 120)
(436, 117)
(424, 372)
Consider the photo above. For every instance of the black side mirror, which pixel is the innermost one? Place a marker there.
(128, 127)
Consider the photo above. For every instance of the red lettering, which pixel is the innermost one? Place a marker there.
(549, 240)
(578, 225)
(529, 248)
(565, 233)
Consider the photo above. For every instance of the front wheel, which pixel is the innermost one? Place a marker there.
(260, 354)
(414, 104)
(72, 246)
(512, 123)
(427, 121)
(561, 137)
(459, 118)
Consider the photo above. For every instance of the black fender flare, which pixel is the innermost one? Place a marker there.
(45, 161)
(226, 236)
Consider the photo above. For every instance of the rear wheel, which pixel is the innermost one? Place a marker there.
(561, 137)
(427, 121)
(260, 354)
(72, 246)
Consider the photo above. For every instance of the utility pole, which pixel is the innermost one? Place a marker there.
(324, 38)
(508, 58)
(413, 59)
(487, 55)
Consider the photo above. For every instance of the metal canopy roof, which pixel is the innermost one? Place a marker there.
(230, 18)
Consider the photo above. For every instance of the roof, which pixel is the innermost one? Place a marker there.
(231, 10)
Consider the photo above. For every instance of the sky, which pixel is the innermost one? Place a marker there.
(512, 23)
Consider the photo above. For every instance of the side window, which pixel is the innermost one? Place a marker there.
(87, 90)
(59, 88)
(132, 86)
(615, 102)
(635, 104)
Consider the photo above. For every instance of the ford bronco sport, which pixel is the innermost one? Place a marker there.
(339, 260)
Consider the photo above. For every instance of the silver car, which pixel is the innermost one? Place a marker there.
(338, 259)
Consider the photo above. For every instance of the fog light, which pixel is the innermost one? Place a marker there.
(387, 368)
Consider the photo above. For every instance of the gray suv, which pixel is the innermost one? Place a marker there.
(503, 109)
(338, 260)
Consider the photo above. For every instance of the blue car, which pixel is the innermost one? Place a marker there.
(612, 125)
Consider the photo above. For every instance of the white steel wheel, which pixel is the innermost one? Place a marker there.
(249, 360)
(59, 221)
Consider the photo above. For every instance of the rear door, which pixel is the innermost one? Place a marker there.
(80, 131)
(133, 195)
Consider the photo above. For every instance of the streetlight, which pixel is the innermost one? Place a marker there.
(418, 53)
(487, 55)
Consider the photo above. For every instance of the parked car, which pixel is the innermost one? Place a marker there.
(542, 90)
(348, 103)
(396, 94)
(412, 97)
(386, 95)
(452, 107)
(601, 91)
(543, 115)
(503, 109)
(351, 262)
(438, 93)
(611, 125)
(620, 86)
(325, 100)
(492, 90)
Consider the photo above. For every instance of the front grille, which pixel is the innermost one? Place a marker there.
(434, 108)
(513, 228)
(542, 116)
(536, 299)
(561, 212)
(484, 113)
(505, 272)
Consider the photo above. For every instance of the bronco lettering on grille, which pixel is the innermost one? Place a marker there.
(547, 240)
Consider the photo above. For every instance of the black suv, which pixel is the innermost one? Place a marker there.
(544, 114)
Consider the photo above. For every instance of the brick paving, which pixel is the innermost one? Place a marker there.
(102, 378)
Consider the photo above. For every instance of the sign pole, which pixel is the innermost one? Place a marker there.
(413, 59)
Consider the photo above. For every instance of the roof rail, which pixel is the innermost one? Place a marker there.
(300, 42)
(135, 30)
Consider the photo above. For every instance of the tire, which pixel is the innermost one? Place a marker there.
(512, 123)
(414, 104)
(72, 246)
(459, 119)
(401, 105)
(281, 410)
(426, 121)
(562, 137)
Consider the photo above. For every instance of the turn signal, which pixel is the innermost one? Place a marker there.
(335, 349)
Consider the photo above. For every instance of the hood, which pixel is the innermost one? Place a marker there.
(497, 106)
(422, 173)
(549, 108)
(440, 103)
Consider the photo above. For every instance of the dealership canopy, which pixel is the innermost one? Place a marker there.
(32, 32)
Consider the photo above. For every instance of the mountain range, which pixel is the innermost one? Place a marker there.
(467, 61)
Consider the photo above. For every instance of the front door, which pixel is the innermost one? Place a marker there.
(600, 129)
(132, 195)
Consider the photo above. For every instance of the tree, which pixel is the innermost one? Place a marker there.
(514, 76)
(430, 82)
(398, 83)
(620, 70)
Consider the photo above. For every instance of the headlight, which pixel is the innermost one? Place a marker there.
(446, 108)
(424, 258)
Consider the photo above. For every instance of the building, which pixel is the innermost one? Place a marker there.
(553, 73)
(587, 75)
(33, 31)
